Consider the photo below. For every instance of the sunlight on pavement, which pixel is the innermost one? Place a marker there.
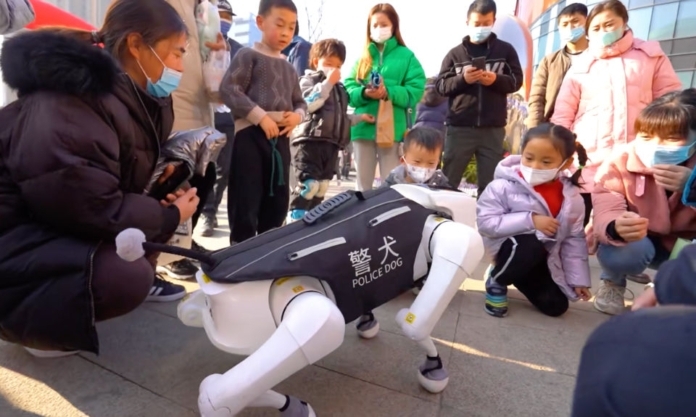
(21, 392)
(471, 351)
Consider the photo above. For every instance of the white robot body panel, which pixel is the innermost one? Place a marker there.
(461, 207)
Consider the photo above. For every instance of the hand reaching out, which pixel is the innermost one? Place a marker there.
(219, 43)
(367, 118)
(583, 292)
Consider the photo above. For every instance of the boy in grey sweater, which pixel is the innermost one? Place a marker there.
(262, 91)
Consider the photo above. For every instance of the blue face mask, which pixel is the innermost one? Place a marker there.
(168, 82)
(650, 154)
(225, 26)
(604, 39)
(479, 34)
(571, 35)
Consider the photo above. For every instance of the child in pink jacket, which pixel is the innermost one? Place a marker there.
(609, 85)
(638, 208)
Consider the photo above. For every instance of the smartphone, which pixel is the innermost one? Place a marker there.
(181, 174)
(479, 63)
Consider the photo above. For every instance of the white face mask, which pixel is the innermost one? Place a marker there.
(381, 35)
(539, 176)
(419, 174)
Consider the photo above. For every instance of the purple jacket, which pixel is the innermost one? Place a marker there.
(505, 209)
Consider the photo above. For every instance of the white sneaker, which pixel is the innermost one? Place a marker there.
(50, 353)
(610, 298)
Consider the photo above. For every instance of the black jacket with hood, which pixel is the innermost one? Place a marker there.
(77, 149)
(476, 105)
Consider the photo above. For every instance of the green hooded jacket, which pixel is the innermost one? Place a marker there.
(404, 79)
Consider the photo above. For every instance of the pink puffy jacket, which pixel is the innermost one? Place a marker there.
(605, 90)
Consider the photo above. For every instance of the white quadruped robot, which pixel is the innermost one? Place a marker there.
(283, 298)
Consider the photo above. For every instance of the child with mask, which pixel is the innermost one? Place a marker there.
(326, 128)
(422, 147)
(639, 211)
(531, 220)
(261, 90)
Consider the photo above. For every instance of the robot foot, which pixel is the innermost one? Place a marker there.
(367, 326)
(296, 408)
(432, 376)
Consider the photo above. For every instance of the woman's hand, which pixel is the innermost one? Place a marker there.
(631, 227)
(583, 292)
(187, 204)
(171, 198)
(671, 177)
(645, 300)
(376, 93)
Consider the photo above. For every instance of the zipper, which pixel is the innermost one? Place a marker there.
(381, 56)
(89, 283)
(316, 233)
(316, 248)
(339, 115)
(388, 215)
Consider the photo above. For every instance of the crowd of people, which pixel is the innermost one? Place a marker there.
(605, 167)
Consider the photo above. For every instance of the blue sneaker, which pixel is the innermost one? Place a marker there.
(297, 214)
(496, 297)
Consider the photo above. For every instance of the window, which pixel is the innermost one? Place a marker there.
(684, 45)
(633, 4)
(639, 21)
(664, 20)
(686, 19)
(685, 77)
(540, 50)
(556, 44)
(683, 62)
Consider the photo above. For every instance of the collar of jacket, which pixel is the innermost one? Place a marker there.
(389, 46)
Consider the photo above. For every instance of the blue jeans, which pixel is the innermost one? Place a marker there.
(631, 259)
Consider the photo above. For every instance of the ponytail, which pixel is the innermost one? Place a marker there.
(582, 160)
(93, 37)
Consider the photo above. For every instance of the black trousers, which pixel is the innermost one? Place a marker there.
(639, 364)
(522, 262)
(225, 124)
(587, 198)
(204, 187)
(312, 161)
(258, 194)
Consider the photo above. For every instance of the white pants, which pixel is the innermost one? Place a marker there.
(367, 154)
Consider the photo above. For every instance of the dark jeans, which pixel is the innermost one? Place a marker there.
(258, 197)
(522, 262)
(225, 124)
(462, 143)
(204, 187)
(639, 364)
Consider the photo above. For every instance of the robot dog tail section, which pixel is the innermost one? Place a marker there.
(131, 245)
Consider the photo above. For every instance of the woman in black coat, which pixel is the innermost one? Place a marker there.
(77, 150)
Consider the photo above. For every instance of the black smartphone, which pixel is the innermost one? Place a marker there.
(479, 63)
(181, 174)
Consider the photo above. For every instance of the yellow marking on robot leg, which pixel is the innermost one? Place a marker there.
(410, 318)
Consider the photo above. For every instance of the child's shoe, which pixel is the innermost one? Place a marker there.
(295, 215)
(496, 297)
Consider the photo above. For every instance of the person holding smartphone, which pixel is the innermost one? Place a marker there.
(476, 76)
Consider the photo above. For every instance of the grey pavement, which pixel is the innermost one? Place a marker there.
(151, 364)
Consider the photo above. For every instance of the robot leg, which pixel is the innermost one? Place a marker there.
(455, 250)
(311, 328)
(308, 189)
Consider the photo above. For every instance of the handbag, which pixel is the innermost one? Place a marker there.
(384, 126)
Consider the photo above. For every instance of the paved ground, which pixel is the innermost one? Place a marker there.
(151, 365)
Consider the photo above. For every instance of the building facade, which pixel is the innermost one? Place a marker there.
(244, 30)
(670, 22)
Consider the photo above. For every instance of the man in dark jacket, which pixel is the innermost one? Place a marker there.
(553, 67)
(225, 124)
(642, 364)
(477, 76)
(297, 52)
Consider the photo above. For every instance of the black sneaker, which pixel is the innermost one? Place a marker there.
(209, 225)
(163, 291)
(183, 269)
(198, 248)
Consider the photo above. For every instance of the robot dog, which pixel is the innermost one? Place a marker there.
(283, 298)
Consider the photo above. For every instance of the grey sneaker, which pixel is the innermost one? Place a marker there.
(209, 225)
(294, 407)
(610, 298)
